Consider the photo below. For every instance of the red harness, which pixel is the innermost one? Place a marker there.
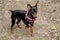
(27, 17)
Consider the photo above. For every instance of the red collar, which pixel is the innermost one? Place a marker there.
(27, 17)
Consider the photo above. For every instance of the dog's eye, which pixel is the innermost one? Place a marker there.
(34, 10)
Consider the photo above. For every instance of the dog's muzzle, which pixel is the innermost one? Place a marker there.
(35, 15)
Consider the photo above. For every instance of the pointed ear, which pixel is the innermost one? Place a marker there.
(36, 4)
(28, 5)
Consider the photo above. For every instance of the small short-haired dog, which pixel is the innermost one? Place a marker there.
(20, 15)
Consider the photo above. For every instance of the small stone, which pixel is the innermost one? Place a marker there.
(59, 35)
(54, 10)
(36, 38)
(38, 32)
(1, 17)
(58, 20)
(8, 4)
(9, 0)
(53, 39)
(53, 28)
(55, 31)
(46, 33)
(51, 18)
(56, 34)
(43, 35)
(59, 14)
(44, 18)
(30, 0)
(6, 11)
(17, 0)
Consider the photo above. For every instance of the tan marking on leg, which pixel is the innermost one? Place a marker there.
(19, 26)
(31, 30)
(11, 30)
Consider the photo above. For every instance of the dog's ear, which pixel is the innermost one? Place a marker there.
(36, 3)
(29, 5)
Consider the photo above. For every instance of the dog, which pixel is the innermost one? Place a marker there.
(20, 15)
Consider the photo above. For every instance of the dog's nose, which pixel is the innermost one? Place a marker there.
(35, 17)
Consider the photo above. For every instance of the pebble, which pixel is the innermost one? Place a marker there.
(56, 35)
(9, 0)
(36, 38)
(58, 19)
(17, 0)
(59, 35)
(53, 39)
(6, 11)
(45, 34)
(54, 10)
(53, 28)
(59, 14)
(51, 18)
(44, 18)
(8, 4)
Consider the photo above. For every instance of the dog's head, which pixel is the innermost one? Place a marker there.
(33, 10)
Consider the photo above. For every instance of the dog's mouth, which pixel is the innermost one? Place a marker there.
(34, 15)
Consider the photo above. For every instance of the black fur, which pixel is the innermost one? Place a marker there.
(20, 15)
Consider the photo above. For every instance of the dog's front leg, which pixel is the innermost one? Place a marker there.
(31, 30)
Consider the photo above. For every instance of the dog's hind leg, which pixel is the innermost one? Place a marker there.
(18, 21)
(13, 23)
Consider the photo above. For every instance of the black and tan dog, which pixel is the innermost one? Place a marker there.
(20, 15)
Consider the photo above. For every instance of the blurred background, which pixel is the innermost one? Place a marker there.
(46, 26)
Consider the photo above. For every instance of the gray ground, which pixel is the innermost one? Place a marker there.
(48, 17)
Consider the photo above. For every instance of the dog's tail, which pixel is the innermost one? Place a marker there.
(11, 11)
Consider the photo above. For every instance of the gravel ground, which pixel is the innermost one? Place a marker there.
(47, 24)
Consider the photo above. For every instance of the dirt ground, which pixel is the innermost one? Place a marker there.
(46, 26)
